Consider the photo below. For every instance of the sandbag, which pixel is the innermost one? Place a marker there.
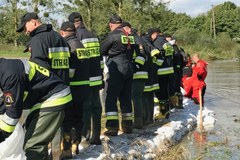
(12, 147)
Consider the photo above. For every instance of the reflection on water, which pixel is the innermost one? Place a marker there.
(223, 97)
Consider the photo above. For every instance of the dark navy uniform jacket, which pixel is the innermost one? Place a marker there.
(50, 50)
(25, 85)
(119, 48)
(91, 42)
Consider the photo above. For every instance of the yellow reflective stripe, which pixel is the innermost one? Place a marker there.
(102, 66)
(5, 127)
(178, 66)
(58, 54)
(154, 52)
(168, 49)
(83, 53)
(32, 70)
(95, 83)
(60, 63)
(60, 57)
(156, 100)
(25, 94)
(34, 67)
(140, 60)
(147, 89)
(141, 76)
(134, 54)
(159, 62)
(79, 83)
(112, 117)
(52, 103)
(155, 88)
(163, 71)
(91, 44)
(42, 70)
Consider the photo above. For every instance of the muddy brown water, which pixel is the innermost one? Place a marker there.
(223, 97)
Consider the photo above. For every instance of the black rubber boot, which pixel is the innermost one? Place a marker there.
(96, 131)
(164, 109)
(127, 126)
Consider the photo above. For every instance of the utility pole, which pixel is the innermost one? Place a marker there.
(213, 25)
(211, 28)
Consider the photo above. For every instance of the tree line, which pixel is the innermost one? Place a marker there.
(142, 14)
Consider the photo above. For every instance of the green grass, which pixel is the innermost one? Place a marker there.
(213, 53)
(207, 52)
(10, 51)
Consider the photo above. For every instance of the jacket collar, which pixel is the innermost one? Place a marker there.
(41, 28)
(69, 37)
(81, 26)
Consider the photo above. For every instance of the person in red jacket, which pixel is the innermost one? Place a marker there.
(199, 74)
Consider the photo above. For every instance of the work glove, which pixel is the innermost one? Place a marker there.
(4, 135)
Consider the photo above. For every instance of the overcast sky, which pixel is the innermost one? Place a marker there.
(196, 7)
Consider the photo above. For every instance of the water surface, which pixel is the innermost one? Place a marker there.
(223, 97)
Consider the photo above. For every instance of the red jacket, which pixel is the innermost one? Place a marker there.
(200, 70)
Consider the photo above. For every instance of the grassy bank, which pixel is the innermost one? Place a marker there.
(209, 51)
(8, 51)
(221, 48)
(218, 53)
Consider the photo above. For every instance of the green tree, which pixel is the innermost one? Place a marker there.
(226, 15)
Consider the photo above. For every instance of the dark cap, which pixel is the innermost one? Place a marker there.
(152, 30)
(75, 17)
(126, 24)
(167, 35)
(68, 26)
(25, 18)
(115, 19)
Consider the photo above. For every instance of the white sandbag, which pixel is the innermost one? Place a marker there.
(12, 147)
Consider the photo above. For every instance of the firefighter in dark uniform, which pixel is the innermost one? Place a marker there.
(94, 111)
(165, 75)
(118, 46)
(79, 85)
(48, 48)
(139, 77)
(26, 85)
(176, 100)
(151, 84)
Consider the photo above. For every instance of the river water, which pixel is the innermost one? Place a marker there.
(223, 97)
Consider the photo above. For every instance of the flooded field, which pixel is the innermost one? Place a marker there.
(223, 97)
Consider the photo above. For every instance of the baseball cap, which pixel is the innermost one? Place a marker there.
(25, 18)
(167, 35)
(126, 24)
(75, 17)
(152, 30)
(68, 26)
(115, 19)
